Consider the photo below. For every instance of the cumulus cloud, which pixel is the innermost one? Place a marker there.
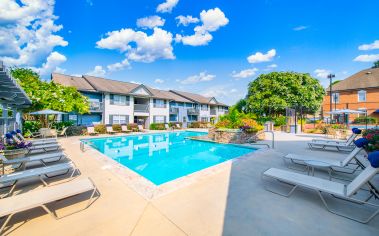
(219, 91)
(186, 20)
(51, 64)
(203, 76)
(300, 27)
(159, 81)
(150, 22)
(260, 57)
(97, 71)
(371, 46)
(28, 33)
(211, 21)
(244, 73)
(138, 46)
(119, 65)
(167, 6)
(322, 73)
(367, 58)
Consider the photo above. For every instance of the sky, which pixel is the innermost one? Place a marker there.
(214, 48)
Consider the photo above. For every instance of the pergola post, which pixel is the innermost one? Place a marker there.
(5, 117)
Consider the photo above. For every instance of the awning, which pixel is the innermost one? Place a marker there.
(11, 94)
(47, 112)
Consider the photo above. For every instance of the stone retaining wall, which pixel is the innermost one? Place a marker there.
(233, 136)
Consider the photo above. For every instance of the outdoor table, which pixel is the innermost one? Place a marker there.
(312, 164)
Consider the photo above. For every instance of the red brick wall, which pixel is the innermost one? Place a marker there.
(349, 99)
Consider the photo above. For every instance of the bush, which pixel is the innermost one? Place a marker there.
(157, 126)
(116, 127)
(100, 128)
(198, 124)
(133, 126)
(372, 135)
(362, 120)
(76, 130)
(31, 126)
(173, 124)
(61, 125)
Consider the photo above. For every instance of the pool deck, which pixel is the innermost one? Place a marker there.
(229, 201)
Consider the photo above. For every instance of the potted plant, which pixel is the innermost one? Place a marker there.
(372, 135)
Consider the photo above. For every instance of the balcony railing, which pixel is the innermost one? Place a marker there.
(95, 106)
(213, 112)
(174, 110)
(193, 111)
(141, 107)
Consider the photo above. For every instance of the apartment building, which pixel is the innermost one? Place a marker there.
(117, 102)
(357, 92)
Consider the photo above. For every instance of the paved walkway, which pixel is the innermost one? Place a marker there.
(230, 202)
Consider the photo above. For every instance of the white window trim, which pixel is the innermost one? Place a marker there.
(365, 92)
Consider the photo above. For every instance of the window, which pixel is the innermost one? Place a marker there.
(159, 119)
(188, 104)
(118, 119)
(362, 114)
(72, 118)
(204, 119)
(159, 103)
(361, 96)
(204, 107)
(120, 100)
(335, 98)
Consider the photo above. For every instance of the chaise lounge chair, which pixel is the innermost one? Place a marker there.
(35, 141)
(91, 130)
(338, 145)
(141, 129)
(11, 180)
(40, 197)
(124, 129)
(352, 137)
(110, 130)
(335, 189)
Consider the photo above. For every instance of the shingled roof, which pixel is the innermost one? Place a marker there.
(79, 83)
(197, 97)
(364, 79)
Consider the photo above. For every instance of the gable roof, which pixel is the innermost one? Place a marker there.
(368, 78)
(197, 98)
(110, 86)
(79, 83)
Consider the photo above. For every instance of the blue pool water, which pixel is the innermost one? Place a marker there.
(166, 156)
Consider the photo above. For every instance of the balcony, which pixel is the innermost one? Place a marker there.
(95, 106)
(174, 110)
(213, 112)
(193, 111)
(141, 108)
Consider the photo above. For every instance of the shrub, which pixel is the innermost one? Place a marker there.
(116, 127)
(76, 130)
(100, 128)
(372, 135)
(31, 126)
(61, 125)
(173, 124)
(362, 120)
(157, 126)
(133, 126)
(198, 124)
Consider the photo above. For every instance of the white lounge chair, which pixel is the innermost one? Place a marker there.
(35, 141)
(91, 131)
(348, 140)
(178, 126)
(11, 180)
(43, 148)
(110, 130)
(339, 146)
(167, 127)
(140, 128)
(124, 129)
(40, 197)
(335, 189)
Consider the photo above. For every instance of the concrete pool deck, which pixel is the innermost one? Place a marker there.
(231, 201)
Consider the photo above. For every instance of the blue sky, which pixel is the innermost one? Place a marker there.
(216, 52)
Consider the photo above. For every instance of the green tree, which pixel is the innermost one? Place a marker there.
(271, 93)
(240, 105)
(49, 95)
(376, 64)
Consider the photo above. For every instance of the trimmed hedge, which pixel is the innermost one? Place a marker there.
(100, 128)
(116, 127)
(157, 126)
(198, 124)
(133, 127)
(76, 130)
(362, 120)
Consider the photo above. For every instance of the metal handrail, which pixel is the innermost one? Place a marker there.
(141, 107)
(273, 137)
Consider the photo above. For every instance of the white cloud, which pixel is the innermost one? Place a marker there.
(300, 27)
(119, 65)
(367, 58)
(270, 67)
(211, 20)
(167, 6)
(97, 71)
(322, 73)
(148, 48)
(51, 64)
(27, 32)
(159, 81)
(223, 93)
(186, 20)
(371, 46)
(150, 22)
(203, 76)
(260, 57)
(244, 73)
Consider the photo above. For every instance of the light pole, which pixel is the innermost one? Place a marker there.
(331, 76)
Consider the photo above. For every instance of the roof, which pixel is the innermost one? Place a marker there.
(197, 97)
(364, 79)
(79, 83)
(110, 86)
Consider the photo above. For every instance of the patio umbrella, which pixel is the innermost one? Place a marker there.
(347, 112)
(47, 112)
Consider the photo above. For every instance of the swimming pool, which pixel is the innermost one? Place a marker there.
(163, 157)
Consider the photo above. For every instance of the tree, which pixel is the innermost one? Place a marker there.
(49, 95)
(376, 64)
(271, 93)
(240, 105)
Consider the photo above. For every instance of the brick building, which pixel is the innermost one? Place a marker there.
(357, 92)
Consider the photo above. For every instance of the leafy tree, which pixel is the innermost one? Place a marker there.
(240, 105)
(49, 95)
(376, 64)
(271, 93)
